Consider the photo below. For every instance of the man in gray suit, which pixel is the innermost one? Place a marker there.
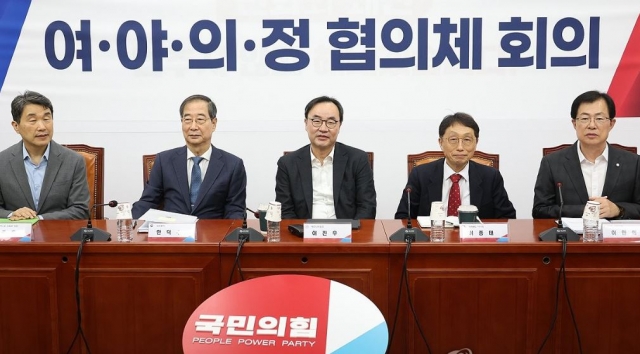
(325, 179)
(39, 177)
(590, 169)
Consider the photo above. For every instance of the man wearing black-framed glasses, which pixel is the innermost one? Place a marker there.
(325, 179)
(590, 169)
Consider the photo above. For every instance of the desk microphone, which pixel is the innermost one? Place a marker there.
(91, 234)
(559, 233)
(255, 213)
(244, 233)
(408, 234)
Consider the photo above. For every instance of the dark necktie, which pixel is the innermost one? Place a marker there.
(196, 179)
(454, 195)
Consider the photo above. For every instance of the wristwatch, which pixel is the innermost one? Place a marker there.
(621, 214)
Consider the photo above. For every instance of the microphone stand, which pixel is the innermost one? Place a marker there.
(559, 233)
(89, 233)
(408, 234)
(244, 233)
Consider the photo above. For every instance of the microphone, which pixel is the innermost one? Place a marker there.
(559, 233)
(244, 233)
(255, 213)
(89, 233)
(408, 234)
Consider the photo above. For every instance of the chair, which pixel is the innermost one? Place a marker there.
(369, 154)
(94, 161)
(547, 151)
(480, 157)
(147, 164)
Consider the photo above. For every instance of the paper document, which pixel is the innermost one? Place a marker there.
(450, 221)
(161, 216)
(575, 224)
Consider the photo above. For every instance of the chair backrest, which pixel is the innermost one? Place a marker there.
(480, 157)
(94, 161)
(147, 164)
(369, 154)
(548, 150)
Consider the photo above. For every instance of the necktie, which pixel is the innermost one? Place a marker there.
(454, 195)
(196, 179)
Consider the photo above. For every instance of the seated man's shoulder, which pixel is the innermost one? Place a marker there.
(350, 149)
(226, 155)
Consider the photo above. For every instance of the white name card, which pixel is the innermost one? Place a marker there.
(336, 232)
(621, 230)
(486, 230)
(15, 232)
(170, 231)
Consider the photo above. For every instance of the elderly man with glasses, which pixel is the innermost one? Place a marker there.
(197, 179)
(590, 169)
(325, 179)
(455, 179)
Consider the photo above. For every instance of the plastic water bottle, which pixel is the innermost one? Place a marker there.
(437, 230)
(125, 230)
(590, 230)
(273, 231)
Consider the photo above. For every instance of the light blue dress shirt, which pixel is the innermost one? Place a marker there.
(35, 173)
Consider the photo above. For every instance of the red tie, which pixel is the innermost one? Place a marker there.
(454, 195)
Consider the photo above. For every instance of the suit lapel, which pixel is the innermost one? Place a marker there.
(53, 167)
(216, 165)
(613, 172)
(435, 181)
(179, 163)
(475, 184)
(574, 171)
(20, 174)
(304, 168)
(339, 167)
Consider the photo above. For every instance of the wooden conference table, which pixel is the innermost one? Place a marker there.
(487, 296)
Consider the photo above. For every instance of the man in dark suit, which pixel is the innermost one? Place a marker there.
(325, 179)
(477, 184)
(197, 179)
(590, 169)
(39, 177)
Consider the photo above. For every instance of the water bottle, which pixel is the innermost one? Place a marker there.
(273, 231)
(437, 230)
(590, 229)
(125, 230)
(124, 222)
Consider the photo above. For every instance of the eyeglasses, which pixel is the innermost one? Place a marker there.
(587, 120)
(199, 121)
(331, 123)
(466, 142)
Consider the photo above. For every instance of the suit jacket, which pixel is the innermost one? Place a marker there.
(354, 194)
(621, 184)
(485, 184)
(64, 193)
(222, 194)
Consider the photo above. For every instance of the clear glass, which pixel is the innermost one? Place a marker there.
(437, 230)
(125, 230)
(273, 231)
(590, 230)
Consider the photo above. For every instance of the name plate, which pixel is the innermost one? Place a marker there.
(621, 230)
(169, 232)
(327, 232)
(15, 232)
(489, 231)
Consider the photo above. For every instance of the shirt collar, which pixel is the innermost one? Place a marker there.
(206, 155)
(25, 153)
(448, 171)
(605, 153)
(328, 158)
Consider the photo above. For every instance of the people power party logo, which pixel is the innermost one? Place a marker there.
(283, 314)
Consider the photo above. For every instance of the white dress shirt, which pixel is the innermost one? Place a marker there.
(594, 172)
(465, 192)
(322, 180)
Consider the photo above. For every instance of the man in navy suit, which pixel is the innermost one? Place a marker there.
(325, 179)
(590, 169)
(478, 184)
(197, 179)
